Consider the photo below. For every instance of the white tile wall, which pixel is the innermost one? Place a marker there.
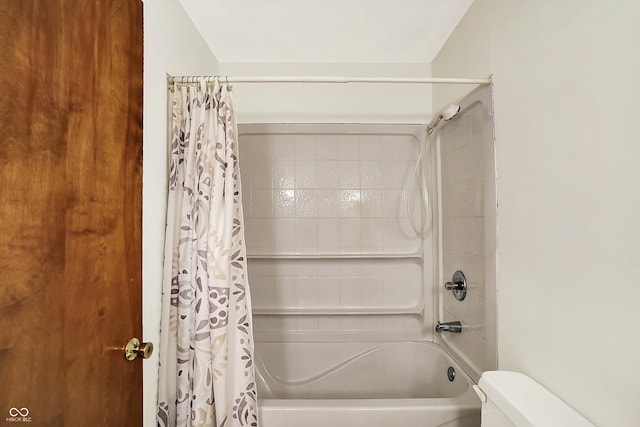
(468, 234)
(342, 193)
(316, 328)
(285, 285)
(317, 205)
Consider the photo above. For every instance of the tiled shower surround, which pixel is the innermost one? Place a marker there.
(329, 246)
(468, 228)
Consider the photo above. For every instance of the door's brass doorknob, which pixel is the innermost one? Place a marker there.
(134, 348)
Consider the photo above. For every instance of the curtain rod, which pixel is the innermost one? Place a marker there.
(320, 79)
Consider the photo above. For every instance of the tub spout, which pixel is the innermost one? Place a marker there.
(454, 326)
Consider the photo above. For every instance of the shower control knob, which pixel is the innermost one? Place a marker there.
(458, 285)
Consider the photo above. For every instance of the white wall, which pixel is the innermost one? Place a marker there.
(565, 99)
(171, 45)
(331, 103)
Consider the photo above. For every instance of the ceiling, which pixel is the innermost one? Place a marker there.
(334, 31)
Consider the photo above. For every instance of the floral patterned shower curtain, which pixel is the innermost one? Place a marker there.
(206, 345)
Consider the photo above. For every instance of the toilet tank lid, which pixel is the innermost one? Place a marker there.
(526, 403)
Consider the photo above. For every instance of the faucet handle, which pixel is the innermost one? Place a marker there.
(450, 286)
(458, 285)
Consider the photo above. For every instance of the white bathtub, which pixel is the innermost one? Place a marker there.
(400, 384)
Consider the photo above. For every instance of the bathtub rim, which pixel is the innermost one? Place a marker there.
(361, 412)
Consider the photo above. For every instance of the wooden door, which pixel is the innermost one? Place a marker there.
(70, 211)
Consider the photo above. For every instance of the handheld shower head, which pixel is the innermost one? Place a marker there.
(449, 112)
(446, 114)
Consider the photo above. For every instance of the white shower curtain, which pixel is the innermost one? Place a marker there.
(206, 347)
